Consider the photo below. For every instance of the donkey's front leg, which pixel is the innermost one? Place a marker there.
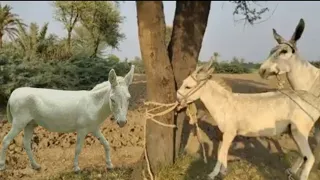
(106, 146)
(81, 134)
(222, 155)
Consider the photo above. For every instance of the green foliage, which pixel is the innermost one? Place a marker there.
(76, 73)
(35, 58)
(139, 66)
(94, 25)
(316, 63)
(102, 20)
(8, 23)
(231, 68)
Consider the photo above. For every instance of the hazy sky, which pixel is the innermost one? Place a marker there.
(222, 35)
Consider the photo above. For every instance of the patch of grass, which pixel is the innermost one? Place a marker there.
(96, 174)
(255, 168)
(193, 168)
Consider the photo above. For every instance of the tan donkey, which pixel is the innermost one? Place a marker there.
(253, 115)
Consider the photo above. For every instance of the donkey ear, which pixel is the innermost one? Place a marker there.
(198, 69)
(128, 78)
(113, 78)
(277, 37)
(208, 65)
(298, 32)
(210, 71)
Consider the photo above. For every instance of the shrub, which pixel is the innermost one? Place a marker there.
(76, 73)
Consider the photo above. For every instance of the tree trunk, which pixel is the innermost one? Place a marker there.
(189, 26)
(69, 40)
(96, 47)
(160, 80)
(1, 41)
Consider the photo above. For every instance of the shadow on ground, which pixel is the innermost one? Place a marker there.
(95, 173)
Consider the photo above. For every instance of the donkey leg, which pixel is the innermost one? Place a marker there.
(222, 155)
(106, 146)
(316, 151)
(294, 169)
(28, 132)
(303, 144)
(80, 140)
(14, 131)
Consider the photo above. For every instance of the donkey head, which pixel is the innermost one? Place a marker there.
(281, 56)
(119, 95)
(192, 86)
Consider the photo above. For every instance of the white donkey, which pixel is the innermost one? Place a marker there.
(67, 111)
(285, 58)
(252, 115)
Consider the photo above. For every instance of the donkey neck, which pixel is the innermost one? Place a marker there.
(302, 74)
(100, 99)
(217, 100)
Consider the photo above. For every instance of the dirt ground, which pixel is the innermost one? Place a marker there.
(267, 159)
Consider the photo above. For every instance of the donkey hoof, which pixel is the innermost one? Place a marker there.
(109, 166)
(291, 177)
(220, 176)
(288, 172)
(77, 169)
(36, 166)
(210, 177)
(2, 167)
(213, 177)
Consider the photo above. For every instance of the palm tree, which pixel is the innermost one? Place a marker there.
(8, 23)
(216, 55)
(32, 42)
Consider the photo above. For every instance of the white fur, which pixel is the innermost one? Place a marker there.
(67, 111)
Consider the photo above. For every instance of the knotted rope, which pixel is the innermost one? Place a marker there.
(149, 114)
(192, 113)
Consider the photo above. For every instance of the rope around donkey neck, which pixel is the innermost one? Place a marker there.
(191, 112)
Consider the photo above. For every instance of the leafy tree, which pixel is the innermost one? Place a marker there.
(102, 20)
(235, 60)
(67, 12)
(176, 62)
(8, 23)
(83, 43)
(32, 42)
(216, 55)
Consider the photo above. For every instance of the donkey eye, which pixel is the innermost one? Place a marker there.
(284, 51)
(188, 87)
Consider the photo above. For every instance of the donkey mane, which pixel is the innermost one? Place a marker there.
(221, 82)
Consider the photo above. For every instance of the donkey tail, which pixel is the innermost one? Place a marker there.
(9, 116)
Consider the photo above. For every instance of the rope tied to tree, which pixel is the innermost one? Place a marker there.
(149, 114)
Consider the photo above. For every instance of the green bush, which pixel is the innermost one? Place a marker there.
(76, 73)
(316, 63)
(229, 68)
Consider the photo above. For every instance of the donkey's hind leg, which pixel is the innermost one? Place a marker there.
(28, 132)
(14, 131)
(301, 138)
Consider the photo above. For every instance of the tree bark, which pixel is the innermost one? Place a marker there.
(1, 41)
(69, 40)
(189, 26)
(160, 80)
